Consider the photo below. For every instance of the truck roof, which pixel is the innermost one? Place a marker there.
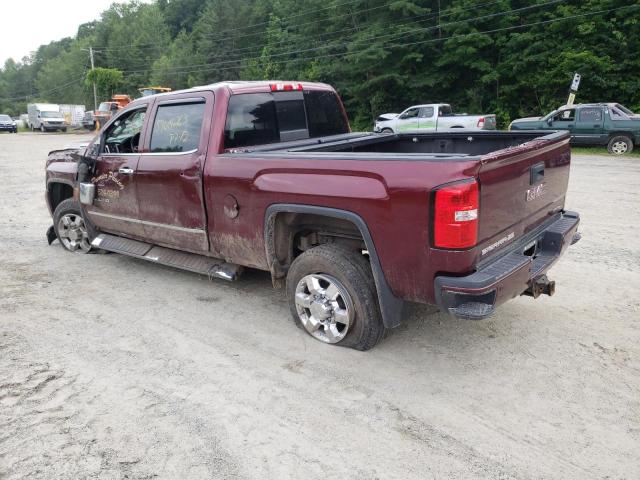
(598, 104)
(244, 86)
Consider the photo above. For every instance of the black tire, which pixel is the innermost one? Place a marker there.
(353, 272)
(616, 145)
(64, 130)
(42, 129)
(69, 208)
(386, 130)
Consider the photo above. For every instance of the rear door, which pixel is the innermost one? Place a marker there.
(115, 208)
(169, 173)
(427, 119)
(589, 126)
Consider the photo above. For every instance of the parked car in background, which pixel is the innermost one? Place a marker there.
(609, 124)
(7, 124)
(45, 117)
(431, 117)
(269, 176)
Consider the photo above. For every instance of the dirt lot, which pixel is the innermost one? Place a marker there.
(113, 368)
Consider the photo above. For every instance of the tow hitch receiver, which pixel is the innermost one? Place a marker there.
(540, 286)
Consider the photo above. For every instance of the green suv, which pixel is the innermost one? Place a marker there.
(609, 124)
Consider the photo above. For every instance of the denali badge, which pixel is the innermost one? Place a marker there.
(537, 191)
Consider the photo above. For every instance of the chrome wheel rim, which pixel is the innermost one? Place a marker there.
(324, 307)
(619, 148)
(72, 233)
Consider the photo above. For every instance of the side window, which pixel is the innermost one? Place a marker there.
(565, 116)
(591, 115)
(177, 127)
(411, 113)
(251, 120)
(426, 112)
(123, 135)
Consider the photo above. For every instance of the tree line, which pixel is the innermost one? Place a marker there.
(510, 57)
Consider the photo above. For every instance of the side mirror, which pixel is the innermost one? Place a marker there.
(549, 120)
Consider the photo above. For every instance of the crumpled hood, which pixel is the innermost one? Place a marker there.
(388, 116)
(69, 154)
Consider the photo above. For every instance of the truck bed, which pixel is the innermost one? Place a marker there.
(436, 145)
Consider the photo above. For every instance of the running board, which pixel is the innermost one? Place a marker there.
(212, 267)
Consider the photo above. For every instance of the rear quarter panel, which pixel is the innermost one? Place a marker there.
(392, 197)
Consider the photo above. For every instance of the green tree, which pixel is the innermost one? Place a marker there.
(106, 80)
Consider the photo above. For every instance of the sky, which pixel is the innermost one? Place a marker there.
(27, 24)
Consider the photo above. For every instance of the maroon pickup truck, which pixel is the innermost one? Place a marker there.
(269, 176)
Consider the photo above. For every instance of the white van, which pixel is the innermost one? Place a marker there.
(45, 117)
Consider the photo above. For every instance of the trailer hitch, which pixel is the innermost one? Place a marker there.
(540, 286)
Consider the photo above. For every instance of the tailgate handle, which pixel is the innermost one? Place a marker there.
(537, 173)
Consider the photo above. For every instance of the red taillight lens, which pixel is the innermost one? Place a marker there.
(480, 123)
(455, 222)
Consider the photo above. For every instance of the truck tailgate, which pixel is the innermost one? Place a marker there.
(520, 188)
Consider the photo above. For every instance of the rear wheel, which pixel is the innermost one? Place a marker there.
(332, 296)
(619, 145)
(70, 227)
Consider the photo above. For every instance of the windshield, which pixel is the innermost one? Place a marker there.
(50, 114)
(5, 118)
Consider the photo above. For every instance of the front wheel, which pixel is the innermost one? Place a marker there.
(332, 296)
(619, 145)
(386, 130)
(70, 227)
(42, 129)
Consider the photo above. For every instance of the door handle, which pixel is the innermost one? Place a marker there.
(596, 125)
(125, 170)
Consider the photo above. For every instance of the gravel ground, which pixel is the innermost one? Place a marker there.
(114, 368)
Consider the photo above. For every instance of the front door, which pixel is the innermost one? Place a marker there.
(407, 122)
(563, 120)
(589, 128)
(169, 173)
(115, 207)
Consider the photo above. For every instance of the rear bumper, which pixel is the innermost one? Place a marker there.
(519, 269)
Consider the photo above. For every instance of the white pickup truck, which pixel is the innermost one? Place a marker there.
(431, 117)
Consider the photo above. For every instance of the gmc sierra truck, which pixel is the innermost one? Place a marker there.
(268, 175)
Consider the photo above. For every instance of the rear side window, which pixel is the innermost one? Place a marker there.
(324, 114)
(177, 127)
(591, 115)
(426, 112)
(263, 118)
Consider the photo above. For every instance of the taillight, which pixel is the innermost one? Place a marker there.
(480, 123)
(455, 223)
(285, 87)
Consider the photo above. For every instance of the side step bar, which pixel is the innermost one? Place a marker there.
(212, 267)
